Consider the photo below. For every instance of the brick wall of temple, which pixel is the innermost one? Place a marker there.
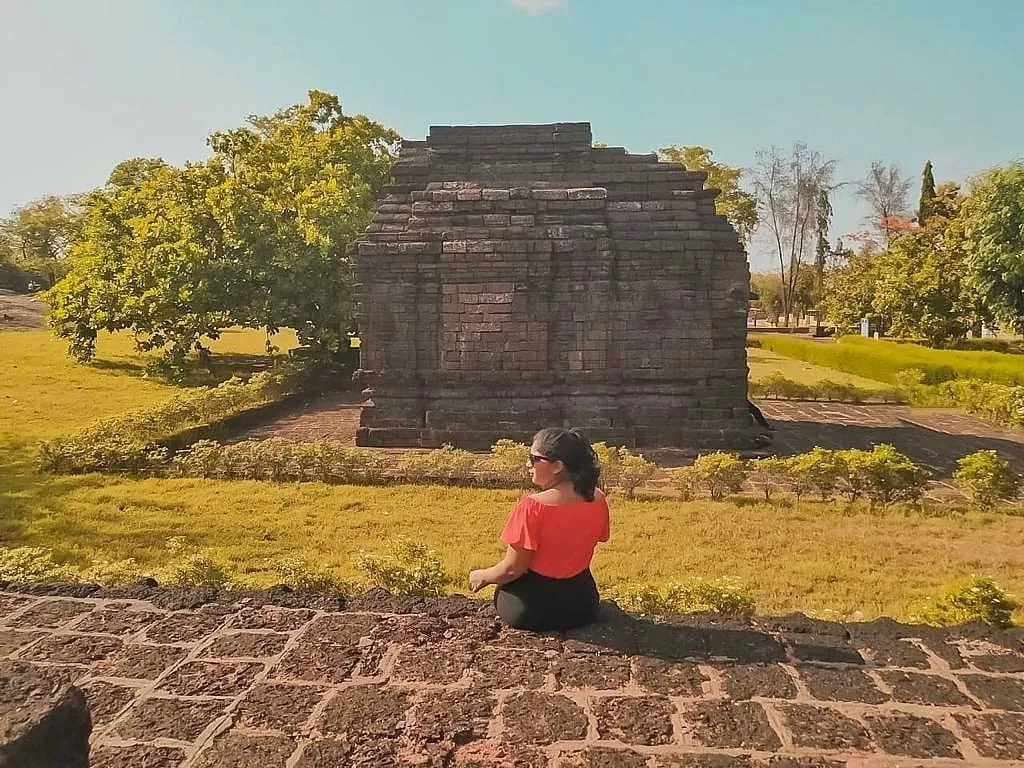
(515, 277)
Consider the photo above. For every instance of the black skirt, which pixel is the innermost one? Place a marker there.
(541, 603)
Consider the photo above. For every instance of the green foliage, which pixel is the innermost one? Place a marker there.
(817, 470)
(995, 402)
(927, 194)
(446, 464)
(303, 577)
(883, 475)
(109, 573)
(191, 567)
(36, 238)
(408, 568)
(255, 236)
(778, 386)
(32, 564)
(718, 473)
(882, 360)
(697, 596)
(768, 475)
(739, 207)
(986, 478)
(130, 443)
(995, 241)
(848, 291)
(971, 599)
(623, 469)
(506, 466)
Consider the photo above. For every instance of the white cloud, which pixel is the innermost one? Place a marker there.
(537, 7)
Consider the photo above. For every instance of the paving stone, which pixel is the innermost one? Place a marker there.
(211, 678)
(501, 668)
(744, 681)
(181, 719)
(245, 645)
(11, 603)
(635, 719)
(441, 664)
(273, 618)
(365, 712)
(667, 677)
(729, 724)
(325, 753)
(937, 643)
(777, 761)
(411, 630)
(999, 662)
(702, 761)
(608, 637)
(916, 688)
(601, 757)
(458, 716)
(842, 684)
(996, 692)
(278, 706)
(136, 756)
(316, 662)
(911, 736)
(106, 700)
(340, 628)
(82, 649)
(144, 662)
(543, 718)
(517, 638)
(183, 628)
(71, 673)
(490, 754)
(999, 736)
(827, 648)
(117, 622)
(50, 614)
(13, 639)
(896, 652)
(592, 670)
(242, 750)
(824, 728)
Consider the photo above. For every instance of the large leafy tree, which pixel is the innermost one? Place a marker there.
(739, 207)
(37, 237)
(995, 241)
(255, 236)
(849, 289)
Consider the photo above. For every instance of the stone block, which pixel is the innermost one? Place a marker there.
(43, 723)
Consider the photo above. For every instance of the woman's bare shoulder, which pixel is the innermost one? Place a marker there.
(549, 496)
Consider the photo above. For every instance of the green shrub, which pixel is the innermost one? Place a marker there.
(777, 386)
(109, 573)
(506, 465)
(131, 442)
(623, 469)
(32, 564)
(719, 473)
(409, 568)
(301, 576)
(768, 475)
(441, 465)
(686, 481)
(883, 475)
(986, 478)
(191, 567)
(817, 470)
(971, 599)
(697, 596)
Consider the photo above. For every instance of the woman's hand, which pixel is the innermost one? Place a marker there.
(478, 579)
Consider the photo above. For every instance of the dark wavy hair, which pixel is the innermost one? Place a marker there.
(570, 447)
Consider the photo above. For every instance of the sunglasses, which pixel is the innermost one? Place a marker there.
(534, 458)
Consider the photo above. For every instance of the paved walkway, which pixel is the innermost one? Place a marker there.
(175, 683)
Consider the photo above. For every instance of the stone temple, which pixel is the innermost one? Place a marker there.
(517, 277)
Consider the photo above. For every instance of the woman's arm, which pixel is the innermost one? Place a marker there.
(513, 565)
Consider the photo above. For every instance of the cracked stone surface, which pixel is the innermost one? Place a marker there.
(203, 679)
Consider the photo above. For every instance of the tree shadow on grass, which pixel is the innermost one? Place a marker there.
(223, 366)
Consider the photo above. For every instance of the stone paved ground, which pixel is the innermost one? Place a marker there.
(933, 437)
(175, 680)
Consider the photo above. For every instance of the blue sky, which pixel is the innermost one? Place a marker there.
(87, 84)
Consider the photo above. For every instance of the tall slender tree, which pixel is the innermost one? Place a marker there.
(885, 190)
(927, 194)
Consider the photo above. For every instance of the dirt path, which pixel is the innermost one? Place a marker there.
(21, 312)
(238, 683)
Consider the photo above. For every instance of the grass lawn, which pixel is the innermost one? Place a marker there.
(822, 559)
(881, 360)
(764, 362)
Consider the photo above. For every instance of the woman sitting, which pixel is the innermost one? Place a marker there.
(544, 580)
